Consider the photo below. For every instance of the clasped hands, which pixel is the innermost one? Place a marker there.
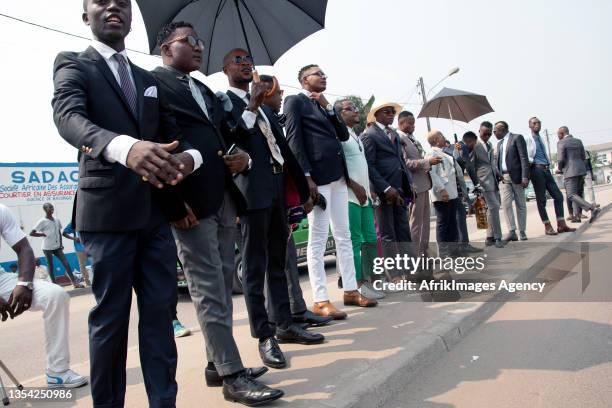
(154, 162)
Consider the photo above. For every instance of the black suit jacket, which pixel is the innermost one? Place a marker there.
(385, 161)
(90, 109)
(257, 183)
(314, 137)
(517, 161)
(203, 190)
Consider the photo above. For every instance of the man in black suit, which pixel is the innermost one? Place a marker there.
(111, 110)
(264, 223)
(204, 219)
(512, 162)
(389, 176)
(314, 132)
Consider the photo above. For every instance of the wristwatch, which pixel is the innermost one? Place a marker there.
(28, 285)
(329, 108)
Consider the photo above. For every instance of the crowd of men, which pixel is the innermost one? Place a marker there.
(166, 166)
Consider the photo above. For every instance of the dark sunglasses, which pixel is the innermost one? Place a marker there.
(352, 109)
(388, 111)
(189, 39)
(320, 74)
(239, 59)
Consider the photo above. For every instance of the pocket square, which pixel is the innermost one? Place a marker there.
(151, 92)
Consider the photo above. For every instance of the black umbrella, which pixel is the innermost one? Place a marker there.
(266, 28)
(455, 104)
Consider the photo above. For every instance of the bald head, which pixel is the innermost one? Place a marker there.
(435, 138)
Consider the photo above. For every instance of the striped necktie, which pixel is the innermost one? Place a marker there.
(125, 82)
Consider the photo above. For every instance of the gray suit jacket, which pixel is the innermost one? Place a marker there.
(571, 157)
(417, 166)
(480, 168)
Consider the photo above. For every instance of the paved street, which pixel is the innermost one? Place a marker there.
(524, 349)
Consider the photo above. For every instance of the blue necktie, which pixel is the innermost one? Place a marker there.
(125, 83)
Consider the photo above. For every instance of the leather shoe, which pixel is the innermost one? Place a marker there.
(249, 392)
(499, 243)
(576, 220)
(563, 227)
(271, 354)
(549, 230)
(489, 241)
(354, 298)
(594, 214)
(523, 236)
(467, 248)
(326, 308)
(213, 379)
(311, 319)
(511, 236)
(295, 334)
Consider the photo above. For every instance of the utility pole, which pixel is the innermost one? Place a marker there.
(420, 83)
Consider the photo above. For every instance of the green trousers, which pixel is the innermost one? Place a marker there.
(363, 231)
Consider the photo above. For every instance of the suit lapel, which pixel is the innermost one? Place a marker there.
(108, 75)
(172, 82)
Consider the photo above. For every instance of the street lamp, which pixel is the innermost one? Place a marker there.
(422, 85)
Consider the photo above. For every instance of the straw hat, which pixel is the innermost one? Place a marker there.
(380, 106)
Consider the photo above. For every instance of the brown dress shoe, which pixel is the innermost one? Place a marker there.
(326, 309)
(563, 227)
(354, 298)
(548, 229)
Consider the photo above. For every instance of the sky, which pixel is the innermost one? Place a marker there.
(545, 58)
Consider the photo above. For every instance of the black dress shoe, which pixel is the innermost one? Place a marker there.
(594, 214)
(511, 236)
(489, 241)
(295, 334)
(499, 243)
(311, 319)
(213, 379)
(339, 282)
(271, 354)
(249, 392)
(467, 248)
(523, 236)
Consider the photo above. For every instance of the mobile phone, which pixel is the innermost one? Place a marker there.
(232, 149)
(456, 140)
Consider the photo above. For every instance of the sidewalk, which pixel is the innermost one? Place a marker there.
(370, 355)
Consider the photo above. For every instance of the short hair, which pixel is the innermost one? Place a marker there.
(304, 69)
(565, 129)
(532, 118)
(269, 79)
(169, 29)
(230, 52)
(339, 102)
(487, 124)
(504, 124)
(432, 136)
(47, 205)
(404, 114)
(469, 135)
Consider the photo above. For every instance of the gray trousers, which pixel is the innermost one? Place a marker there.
(493, 203)
(296, 298)
(207, 255)
(574, 186)
(511, 192)
(419, 214)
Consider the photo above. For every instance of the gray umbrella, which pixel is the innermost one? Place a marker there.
(266, 28)
(455, 104)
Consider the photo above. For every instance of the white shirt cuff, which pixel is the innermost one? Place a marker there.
(307, 174)
(249, 118)
(197, 158)
(118, 148)
(386, 189)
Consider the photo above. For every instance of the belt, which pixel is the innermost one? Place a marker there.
(541, 166)
(505, 172)
(277, 168)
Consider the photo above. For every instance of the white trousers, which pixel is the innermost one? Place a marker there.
(336, 195)
(54, 302)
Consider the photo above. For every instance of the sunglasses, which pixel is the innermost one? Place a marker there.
(352, 109)
(320, 74)
(239, 59)
(387, 111)
(189, 39)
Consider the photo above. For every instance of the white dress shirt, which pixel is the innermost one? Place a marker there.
(443, 176)
(504, 151)
(118, 148)
(357, 165)
(248, 117)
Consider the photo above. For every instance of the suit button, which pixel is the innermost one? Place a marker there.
(220, 153)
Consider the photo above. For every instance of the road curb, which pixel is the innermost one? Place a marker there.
(383, 379)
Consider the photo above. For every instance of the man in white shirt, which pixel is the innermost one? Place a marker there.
(50, 229)
(20, 292)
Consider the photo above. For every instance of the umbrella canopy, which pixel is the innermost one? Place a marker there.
(455, 104)
(266, 28)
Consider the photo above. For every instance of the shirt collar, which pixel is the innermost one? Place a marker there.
(305, 92)
(178, 72)
(351, 131)
(239, 92)
(380, 125)
(106, 51)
